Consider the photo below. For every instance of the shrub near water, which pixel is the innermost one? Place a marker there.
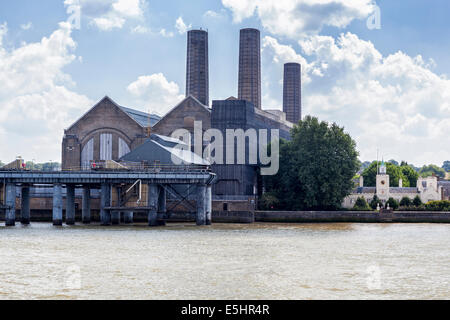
(361, 205)
(443, 205)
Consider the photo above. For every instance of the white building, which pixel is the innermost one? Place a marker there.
(428, 189)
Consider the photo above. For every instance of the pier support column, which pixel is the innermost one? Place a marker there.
(152, 203)
(70, 205)
(208, 205)
(115, 217)
(105, 201)
(25, 212)
(128, 217)
(162, 209)
(86, 210)
(57, 205)
(10, 202)
(201, 205)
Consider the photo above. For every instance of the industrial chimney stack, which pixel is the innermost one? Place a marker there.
(250, 66)
(292, 92)
(197, 66)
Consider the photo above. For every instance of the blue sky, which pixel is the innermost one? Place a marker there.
(373, 82)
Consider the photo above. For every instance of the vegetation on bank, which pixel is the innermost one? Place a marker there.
(316, 169)
(405, 204)
(396, 172)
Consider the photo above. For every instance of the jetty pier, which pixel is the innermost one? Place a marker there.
(121, 192)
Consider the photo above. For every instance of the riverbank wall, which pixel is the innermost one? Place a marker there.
(352, 216)
(279, 217)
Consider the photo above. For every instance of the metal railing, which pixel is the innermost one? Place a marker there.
(106, 166)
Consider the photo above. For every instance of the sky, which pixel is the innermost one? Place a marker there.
(378, 68)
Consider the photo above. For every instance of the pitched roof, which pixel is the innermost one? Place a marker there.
(190, 97)
(163, 150)
(135, 115)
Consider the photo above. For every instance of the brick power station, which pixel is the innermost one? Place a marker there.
(109, 131)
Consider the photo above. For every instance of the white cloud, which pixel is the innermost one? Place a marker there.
(181, 26)
(110, 14)
(3, 32)
(26, 26)
(35, 104)
(155, 93)
(140, 30)
(292, 18)
(165, 33)
(395, 103)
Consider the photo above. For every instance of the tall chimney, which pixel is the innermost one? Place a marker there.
(292, 92)
(250, 66)
(197, 66)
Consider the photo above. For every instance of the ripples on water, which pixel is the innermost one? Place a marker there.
(259, 261)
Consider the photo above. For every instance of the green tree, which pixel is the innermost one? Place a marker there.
(431, 169)
(410, 175)
(405, 202)
(393, 204)
(316, 167)
(268, 201)
(446, 166)
(395, 173)
(417, 201)
(361, 205)
(374, 202)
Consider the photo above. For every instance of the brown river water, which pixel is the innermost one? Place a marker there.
(226, 261)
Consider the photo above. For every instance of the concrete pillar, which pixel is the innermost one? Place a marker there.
(152, 203)
(162, 199)
(57, 205)
(115, 217)
(105, 201)
(10, 202)
(86, 210)
(70, 205)
(128, 217)
(208, 205)
(25, 212)
(201, 205)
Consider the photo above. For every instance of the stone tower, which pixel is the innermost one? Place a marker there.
(292, 92)
(382, 187)
(249, 87)
(197, 66)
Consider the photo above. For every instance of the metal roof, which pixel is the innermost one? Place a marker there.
(164, 151)
(141, 117)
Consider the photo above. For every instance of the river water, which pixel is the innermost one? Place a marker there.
(226, 261)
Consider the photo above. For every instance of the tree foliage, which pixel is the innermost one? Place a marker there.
(316, 167)
(431, 169)
(393, 204)
(417, 201)
(446, 166)
(405, 202)
(361, 205)
(395, 172)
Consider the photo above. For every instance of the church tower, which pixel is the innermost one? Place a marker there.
(382, 182)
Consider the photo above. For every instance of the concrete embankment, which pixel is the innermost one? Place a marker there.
(352, 216)
(279, 217)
